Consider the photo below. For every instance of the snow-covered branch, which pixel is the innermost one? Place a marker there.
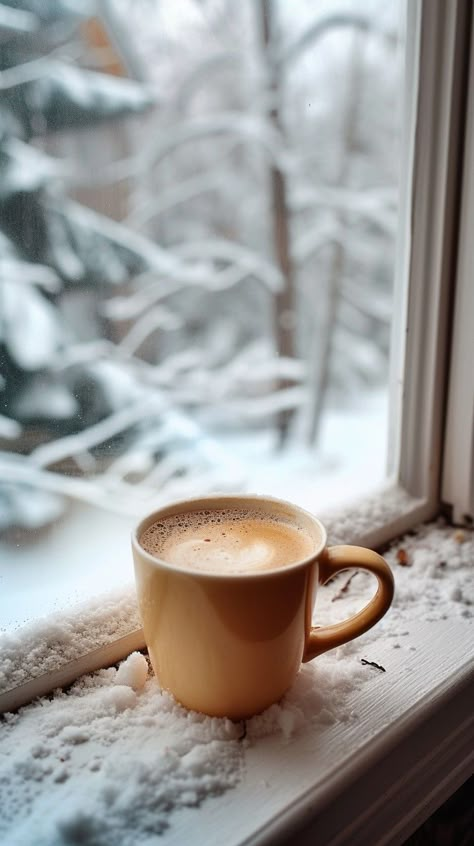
(377, 205)
(29, 273)
(180, 192)
(9, 429)
(242, 257)
(249, 128)
(253, 128)
(84, 440)
(19, 74)
(295, 50)
(155, 319)
(199, 76)
(132, 306)
(314, 239)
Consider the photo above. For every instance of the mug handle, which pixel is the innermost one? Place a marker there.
(333, 560)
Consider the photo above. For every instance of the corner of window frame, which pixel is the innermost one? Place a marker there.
(423, 385)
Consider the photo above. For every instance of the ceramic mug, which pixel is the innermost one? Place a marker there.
(231, 645)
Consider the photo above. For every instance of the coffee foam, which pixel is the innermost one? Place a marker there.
(227, 541)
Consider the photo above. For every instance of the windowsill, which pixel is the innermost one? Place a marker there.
(374, 780)
(399, 745)
(83, 615)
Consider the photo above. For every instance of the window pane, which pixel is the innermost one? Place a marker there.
(198, 209)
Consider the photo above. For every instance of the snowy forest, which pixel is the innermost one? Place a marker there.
(198, 213)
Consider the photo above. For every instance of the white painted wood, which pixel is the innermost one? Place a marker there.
(372, 780)
(404, 237)
(458, 467)
(438, 42)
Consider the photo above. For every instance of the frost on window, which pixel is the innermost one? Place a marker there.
(198, 205)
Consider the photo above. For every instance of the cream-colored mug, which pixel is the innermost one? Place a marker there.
(231, 644)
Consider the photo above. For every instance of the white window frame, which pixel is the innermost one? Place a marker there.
(432, 395)
(424, 389)
(458, 473)
(436, 61)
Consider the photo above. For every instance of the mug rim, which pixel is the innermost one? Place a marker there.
(206, 502)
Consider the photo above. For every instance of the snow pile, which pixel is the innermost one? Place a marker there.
(366, 515)
(110, 760)
(434, 580)
(113, 758)
(133, 672)
(49, 643)
(435, 574)
(321, 696)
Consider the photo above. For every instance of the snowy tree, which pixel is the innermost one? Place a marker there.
(248, 285)
(48, 244)
(278, 134)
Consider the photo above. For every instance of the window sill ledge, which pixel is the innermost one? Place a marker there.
(410, 749)
(372, 778)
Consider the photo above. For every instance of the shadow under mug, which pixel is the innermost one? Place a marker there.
(231, 645)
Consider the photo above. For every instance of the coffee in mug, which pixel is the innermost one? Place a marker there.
(226, 588)
(228, 541)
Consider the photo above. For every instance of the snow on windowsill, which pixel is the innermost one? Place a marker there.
(114, 759)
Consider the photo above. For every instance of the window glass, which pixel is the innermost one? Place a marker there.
(198, 211)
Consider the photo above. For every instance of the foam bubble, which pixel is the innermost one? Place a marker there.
(233, 540)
